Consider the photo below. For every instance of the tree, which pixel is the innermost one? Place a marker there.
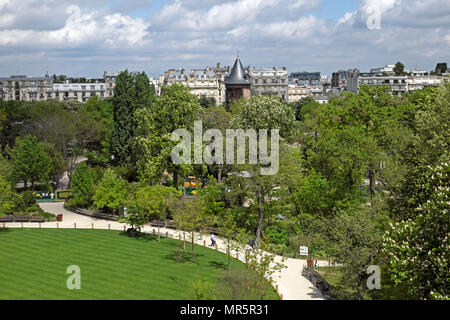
(132, 92)
(418, 249)
(189, 217)
(303, 106)
(3, 117)
(229, 229)
(399, 69)
(207, 102)
(154, 201)
(70, 132)
(6, 170)
(441, 68)
(355, 236)
(58, 162)
(111, 193)
(124, 107)
(6, 197)
(176, 109)
(268, 113)
(83, 184)
(100, 111)
(30, 162)
(264, 265)
(216, 118)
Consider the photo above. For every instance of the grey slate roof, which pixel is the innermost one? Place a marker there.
(237, 75)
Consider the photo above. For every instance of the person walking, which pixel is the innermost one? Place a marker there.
(213, 241)
(252, 243)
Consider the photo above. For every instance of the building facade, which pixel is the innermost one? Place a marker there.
(202, 83)
(398, 84)
(269, 81)
(20, 87)
(305, 76)
(80, 92)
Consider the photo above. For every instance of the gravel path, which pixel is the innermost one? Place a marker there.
(291, 284)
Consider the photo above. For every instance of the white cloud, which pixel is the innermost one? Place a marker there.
(113, 30)
(219, 16)
(303, 28)
(347, 17)
(195, 33)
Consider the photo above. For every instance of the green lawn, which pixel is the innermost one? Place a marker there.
(33, 264)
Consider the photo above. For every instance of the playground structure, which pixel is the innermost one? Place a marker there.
(50, 196)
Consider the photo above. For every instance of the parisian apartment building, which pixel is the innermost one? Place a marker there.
(210, 82)
(400, 84)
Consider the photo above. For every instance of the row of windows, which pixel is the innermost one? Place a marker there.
(265, 81)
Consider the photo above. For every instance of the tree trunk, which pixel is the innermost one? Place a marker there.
(193, 256)
(229, 255)
(159, 233)
(260, 213)
(371, 183)
(175, 178)
(219, 175)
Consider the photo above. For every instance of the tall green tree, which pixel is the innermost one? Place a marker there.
(418, 249)
(83, 184)
(30, 162)
(176, 109)
(264, 112)
(132, 92)
(124, 105)
(399, 69)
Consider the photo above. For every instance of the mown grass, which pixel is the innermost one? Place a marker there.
(33, 264)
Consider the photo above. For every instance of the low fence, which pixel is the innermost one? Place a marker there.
(319, 282)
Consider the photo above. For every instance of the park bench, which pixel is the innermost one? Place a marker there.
(7, 219)
(97, 215)
(37, 219)
(171, 224)
(155, 223)
(22, 219)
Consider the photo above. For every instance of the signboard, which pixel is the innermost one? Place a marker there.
(62, 195)
(303, 251)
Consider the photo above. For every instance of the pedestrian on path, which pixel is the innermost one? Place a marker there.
(213, 242)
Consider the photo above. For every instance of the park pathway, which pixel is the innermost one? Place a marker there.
(291, 284)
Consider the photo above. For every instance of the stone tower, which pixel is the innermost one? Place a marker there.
(237, 84)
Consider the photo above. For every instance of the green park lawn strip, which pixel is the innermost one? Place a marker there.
(33, 264)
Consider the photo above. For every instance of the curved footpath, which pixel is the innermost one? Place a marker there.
(291, 284)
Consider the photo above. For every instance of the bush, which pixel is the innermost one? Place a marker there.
(29, 198)
(18, 204)
(34, 208)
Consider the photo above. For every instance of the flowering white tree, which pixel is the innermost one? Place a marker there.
(419, 249)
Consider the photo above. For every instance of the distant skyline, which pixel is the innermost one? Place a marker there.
(88, 37)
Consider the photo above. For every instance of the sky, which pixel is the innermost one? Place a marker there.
(87, 37)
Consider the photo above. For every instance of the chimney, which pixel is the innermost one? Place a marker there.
(218, 65)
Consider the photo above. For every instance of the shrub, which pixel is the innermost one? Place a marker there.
(29, 198)
(18, 204)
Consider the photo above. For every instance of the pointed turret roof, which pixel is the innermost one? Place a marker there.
(237, 75)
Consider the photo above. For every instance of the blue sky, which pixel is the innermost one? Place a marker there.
(87, 37)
